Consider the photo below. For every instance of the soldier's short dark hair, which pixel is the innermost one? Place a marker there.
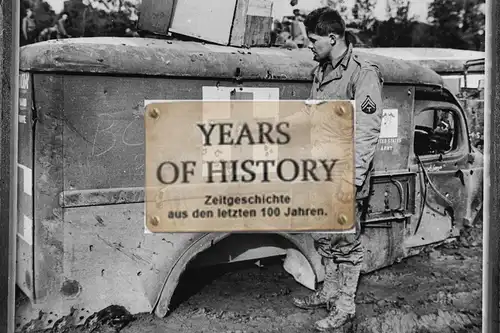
(324, 21)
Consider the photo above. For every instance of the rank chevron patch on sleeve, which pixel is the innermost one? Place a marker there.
(368, 106)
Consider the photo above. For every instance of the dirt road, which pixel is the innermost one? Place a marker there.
(439, 291)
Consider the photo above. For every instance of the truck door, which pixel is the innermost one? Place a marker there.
(449, 171)
(392, 195)
(391, 203)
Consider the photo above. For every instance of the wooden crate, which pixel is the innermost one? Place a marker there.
(205, 20)
(252, 23)
(155, 16)
(239, 23)
(225, 22)
(258, 31)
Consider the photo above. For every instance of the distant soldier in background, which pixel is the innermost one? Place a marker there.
(44, 35)
(48, 33)
(61, 26)
(29, 27)
(299, 34)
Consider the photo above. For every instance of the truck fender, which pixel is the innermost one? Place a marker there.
(161, 306)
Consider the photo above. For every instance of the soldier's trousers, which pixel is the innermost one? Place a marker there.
(342, 257)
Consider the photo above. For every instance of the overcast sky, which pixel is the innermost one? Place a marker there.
(282, 7)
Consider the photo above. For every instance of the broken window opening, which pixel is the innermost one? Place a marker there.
(435, 132)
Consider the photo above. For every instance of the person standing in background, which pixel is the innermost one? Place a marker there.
(61, 27)
(29, 27)
(299, 34)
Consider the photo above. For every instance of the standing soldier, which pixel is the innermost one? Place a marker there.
(29, 27)
(341, 75)
(61, 26)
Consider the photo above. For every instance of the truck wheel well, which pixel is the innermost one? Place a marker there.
(162, 306)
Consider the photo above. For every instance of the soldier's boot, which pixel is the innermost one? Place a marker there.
(345, 306)
(328, 292)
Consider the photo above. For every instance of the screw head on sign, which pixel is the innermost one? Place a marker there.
(154, 113)
(342, 219)
(155, 220)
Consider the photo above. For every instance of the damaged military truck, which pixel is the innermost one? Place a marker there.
(81, 239)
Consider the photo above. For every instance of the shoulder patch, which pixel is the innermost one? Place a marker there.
(368, 106)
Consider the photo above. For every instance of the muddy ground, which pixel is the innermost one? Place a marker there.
(438, 291)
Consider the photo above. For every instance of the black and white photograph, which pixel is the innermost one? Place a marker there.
(89, 254)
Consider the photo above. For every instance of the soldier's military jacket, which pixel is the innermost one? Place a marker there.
(354, 78)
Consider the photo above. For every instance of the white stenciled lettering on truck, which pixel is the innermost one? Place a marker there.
(389, 130)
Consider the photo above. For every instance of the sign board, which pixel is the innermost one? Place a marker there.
(246, 165)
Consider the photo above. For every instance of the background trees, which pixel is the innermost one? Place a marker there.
(451, 23)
